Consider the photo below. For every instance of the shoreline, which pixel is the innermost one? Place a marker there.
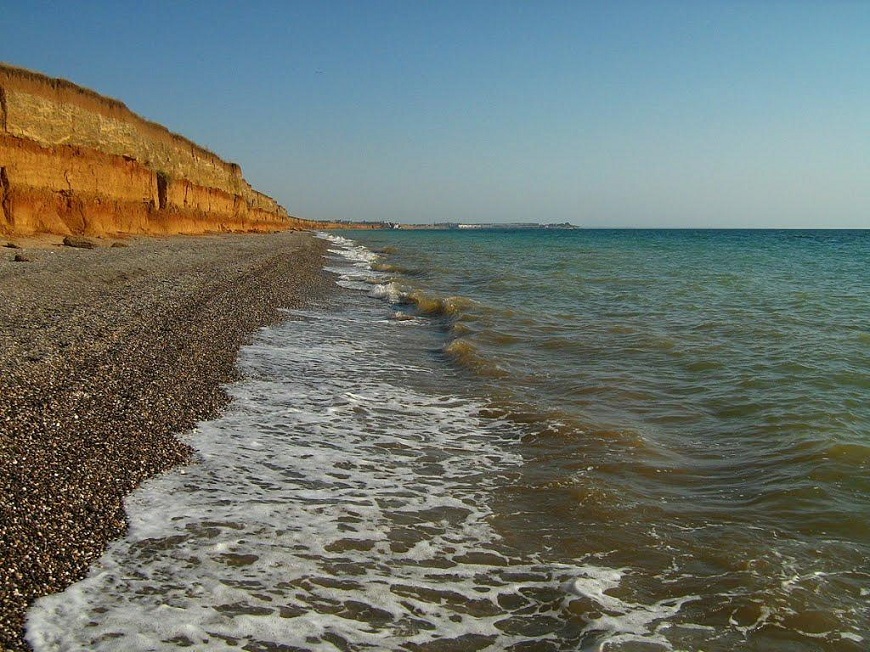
(107, 355)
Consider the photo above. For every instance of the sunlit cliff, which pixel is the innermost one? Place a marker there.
(75, 162)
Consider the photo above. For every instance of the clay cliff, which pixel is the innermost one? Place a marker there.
(73, 162)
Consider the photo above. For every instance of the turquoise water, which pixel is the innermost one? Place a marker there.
(628, 441)
(695, 399)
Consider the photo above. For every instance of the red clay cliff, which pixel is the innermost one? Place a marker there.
(73, 162)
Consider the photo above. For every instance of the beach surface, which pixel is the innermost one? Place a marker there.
(107, 354)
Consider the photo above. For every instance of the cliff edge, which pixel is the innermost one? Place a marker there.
(73, 162)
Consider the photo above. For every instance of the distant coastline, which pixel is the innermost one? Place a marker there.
(458, 226)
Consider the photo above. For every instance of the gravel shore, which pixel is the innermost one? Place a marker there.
(105, 353)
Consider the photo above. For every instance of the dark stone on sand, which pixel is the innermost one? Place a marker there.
(119, 245)
(11, 245)
(21, 258)
(78, 242)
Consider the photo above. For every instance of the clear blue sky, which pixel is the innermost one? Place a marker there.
(708, 114)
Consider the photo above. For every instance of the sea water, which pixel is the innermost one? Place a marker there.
(525, 440)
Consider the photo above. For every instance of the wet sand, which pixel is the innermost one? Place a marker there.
(106, 354)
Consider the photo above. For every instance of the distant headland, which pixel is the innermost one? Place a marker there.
(512, 226)
(459, 226)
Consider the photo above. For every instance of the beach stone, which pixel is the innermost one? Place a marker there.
(78, 242)
(119, 245)
(11, 245)
(105, 360)
(21, 258)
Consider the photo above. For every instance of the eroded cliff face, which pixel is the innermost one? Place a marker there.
(75, 162)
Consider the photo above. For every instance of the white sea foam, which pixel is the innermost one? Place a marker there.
(391, 291)
(350, 250)
(620, 621)
(308, 500)
(352, 264)
(331, 501)
(337, 504)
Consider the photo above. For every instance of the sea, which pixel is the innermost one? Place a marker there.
(610, 440)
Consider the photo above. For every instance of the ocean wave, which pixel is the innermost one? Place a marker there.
(694, 402)
(464, 353)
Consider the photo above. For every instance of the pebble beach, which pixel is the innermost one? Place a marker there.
(107, 354)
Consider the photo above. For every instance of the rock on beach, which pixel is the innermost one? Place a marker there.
(106, 355)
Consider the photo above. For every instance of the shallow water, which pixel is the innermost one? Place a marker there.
(529, 440)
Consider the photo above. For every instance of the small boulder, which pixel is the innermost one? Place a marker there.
(119, 244)
(11, 245)
(21, 258)
(78, 242)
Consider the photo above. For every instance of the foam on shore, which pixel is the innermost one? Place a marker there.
(108, 352)
(342, 502)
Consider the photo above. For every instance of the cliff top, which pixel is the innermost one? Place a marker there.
(62, 90)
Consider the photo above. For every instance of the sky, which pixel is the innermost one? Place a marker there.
(602, 114)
